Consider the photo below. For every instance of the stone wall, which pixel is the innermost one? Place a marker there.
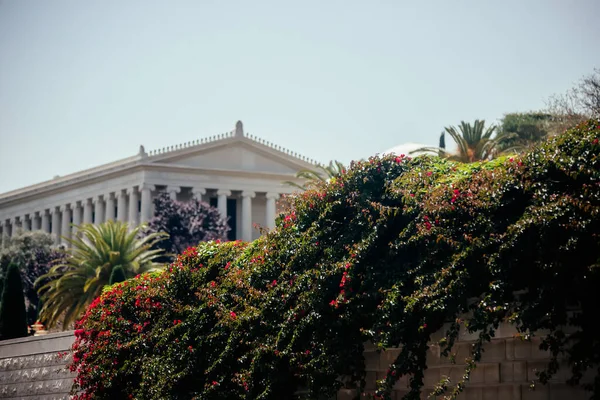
(31, 369)
(507, 369)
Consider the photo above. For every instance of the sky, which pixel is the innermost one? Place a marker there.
(84, 83)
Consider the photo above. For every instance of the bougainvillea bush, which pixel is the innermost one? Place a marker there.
(390, 252)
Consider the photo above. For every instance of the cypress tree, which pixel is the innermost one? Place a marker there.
(13, 317)
(117, 275)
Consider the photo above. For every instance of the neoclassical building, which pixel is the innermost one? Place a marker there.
(240, 174)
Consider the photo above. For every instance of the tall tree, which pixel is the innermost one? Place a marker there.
(186, 223)
(525, 129)
(13, 317)
(69, 287)
(474, 142)
(322, 174)
(580, 102)
(35, 254)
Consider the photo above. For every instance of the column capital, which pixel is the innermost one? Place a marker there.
(97, 199)
(65, 207)
(198, 191)
(108, 196)
(131, 191)
(272, 195)
(223, 192)
(146, 186)
(171, 188)
(53, 210)
(247, 193)
(87, 201)
(118, 193)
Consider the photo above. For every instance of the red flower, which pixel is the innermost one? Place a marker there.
(215, 383)
(213, 284)
(233, 315)
(190, 348)
(274, 283)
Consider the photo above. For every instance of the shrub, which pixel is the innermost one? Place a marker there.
(390, 252)
(34, 254)
(13, 318)
(187, 223)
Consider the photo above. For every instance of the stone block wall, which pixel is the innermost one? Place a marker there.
(507, 369)
(31, 369)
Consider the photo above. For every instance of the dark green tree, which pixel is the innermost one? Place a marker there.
(117, 275)
(524, 130)
(13, 318)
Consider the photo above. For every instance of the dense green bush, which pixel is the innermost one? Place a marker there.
(389, 252)
(13, 318)
(35, 254)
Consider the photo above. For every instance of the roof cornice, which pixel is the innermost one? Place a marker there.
(152, 161)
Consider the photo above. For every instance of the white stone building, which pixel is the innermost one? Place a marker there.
(240, 174)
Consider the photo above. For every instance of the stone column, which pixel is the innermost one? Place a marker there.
(87, 211)
(198, 192)
(99, 209)
(55, 224)
(66, 224)
(25, 223)
(133, 207)
(121, 206)
(11, 227)
(35, 222)
(146, 197)
(109, 210)
(270, 211)
(222, 202)
(76, 211)
(5, 235)
(173, 190)
(247, 215)
(45, 221)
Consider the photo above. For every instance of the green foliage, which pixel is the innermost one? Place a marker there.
(13, 318)
(474, 142)
(34, 253)
(117, 275)
(526, 129)
(69, 287)
(321, 174)
(390, 252)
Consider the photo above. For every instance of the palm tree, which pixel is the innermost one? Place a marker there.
(475, 143)
(68, 288)
(312, 177)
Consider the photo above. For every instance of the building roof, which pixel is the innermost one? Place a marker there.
(168, 154)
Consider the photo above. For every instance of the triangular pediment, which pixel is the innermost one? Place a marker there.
(234, 155)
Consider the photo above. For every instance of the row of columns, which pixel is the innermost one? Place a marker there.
(98, 209)
(62, 220)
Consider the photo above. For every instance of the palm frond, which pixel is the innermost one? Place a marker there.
(71, 286)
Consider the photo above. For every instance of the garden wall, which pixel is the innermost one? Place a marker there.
(506, 371)
(31, 369)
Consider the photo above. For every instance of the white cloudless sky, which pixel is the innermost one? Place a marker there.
(83, 83)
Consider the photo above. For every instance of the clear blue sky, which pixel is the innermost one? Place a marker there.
(86, 82)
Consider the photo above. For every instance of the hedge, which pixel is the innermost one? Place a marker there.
(390, 252)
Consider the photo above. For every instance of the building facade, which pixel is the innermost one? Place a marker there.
(242, 175)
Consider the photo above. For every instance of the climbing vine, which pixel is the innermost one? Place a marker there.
(390, 252)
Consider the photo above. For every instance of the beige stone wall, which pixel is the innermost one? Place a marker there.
(31, 369)
(507, 369)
